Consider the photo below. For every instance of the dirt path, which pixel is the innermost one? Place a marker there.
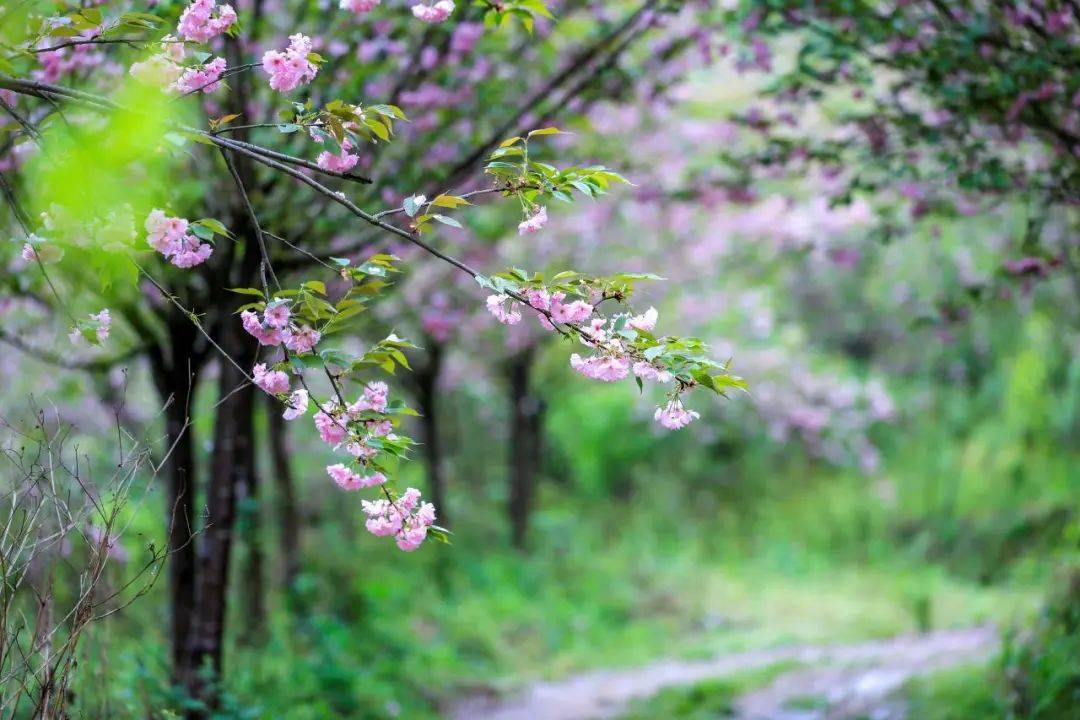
(842, 681)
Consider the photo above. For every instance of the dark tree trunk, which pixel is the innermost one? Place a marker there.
(288, 511)
(232, 462)
(232, 467)
(176, 373)
(427, 381)
(253, 589)
(526, 413)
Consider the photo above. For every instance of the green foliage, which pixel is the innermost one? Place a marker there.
(958, 694)
(96, 181)
(1042, 672)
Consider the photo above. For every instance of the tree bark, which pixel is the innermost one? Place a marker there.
(176, 374)
(427, 381)
(232, 466)
(288, 511)
(232, 461)
(526, 413)
(253, 589)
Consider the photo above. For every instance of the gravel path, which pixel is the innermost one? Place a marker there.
(842, 681)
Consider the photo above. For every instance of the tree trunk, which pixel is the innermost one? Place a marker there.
(232, 462)
(288, 510)
(232, 466)
(427, 381)
(253, 589)
(526, 412)
(176, 376)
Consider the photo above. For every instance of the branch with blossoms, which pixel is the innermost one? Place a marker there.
(297, 321)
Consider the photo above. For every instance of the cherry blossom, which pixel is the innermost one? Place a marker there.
(169, 236)
(504, 310)
(199, 24)
(297, 404)
(359, 6)
(348, 479)
(674, 416)
(608, 368)
(645, 322)
(301, 340)
(534, 222)
(277, 314)
(291, 68)
(265, 334)
(204, 79)
(407, 519)
(331, 430)
(574, 312)
(648, 371)
(436, 13)
(274, 382)
(374, 398)
(339, 162)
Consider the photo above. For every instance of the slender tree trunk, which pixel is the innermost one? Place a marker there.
(232, 466)
(232, 462)
(526, 412)
(288, 510)
(253, 588)
(427, 381)
(176, 376)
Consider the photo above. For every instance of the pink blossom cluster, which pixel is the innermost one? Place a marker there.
(199, 24)
(339, 162)
(296, 405)
(348, 479)
(504, 308)
(648, 371)
(57, 63)
(574, 312)
(276, 327)
(612, 363)
(205, 78)
(274, 382)
(170, 237)
(290, 68)
(99, 323)
(359, 6)
(604, 367)
(436, 13)
(674, 416)
(332, 421)
(407, 519)
(533, 223)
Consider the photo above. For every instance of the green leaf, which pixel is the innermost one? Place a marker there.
(547, 131)
(214, 225)
(449, 201)
(447, 220)
(247, 291)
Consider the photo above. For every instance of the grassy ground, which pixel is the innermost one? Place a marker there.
(384, 636)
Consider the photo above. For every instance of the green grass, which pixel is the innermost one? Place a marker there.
(963, 693)
(706, 700)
